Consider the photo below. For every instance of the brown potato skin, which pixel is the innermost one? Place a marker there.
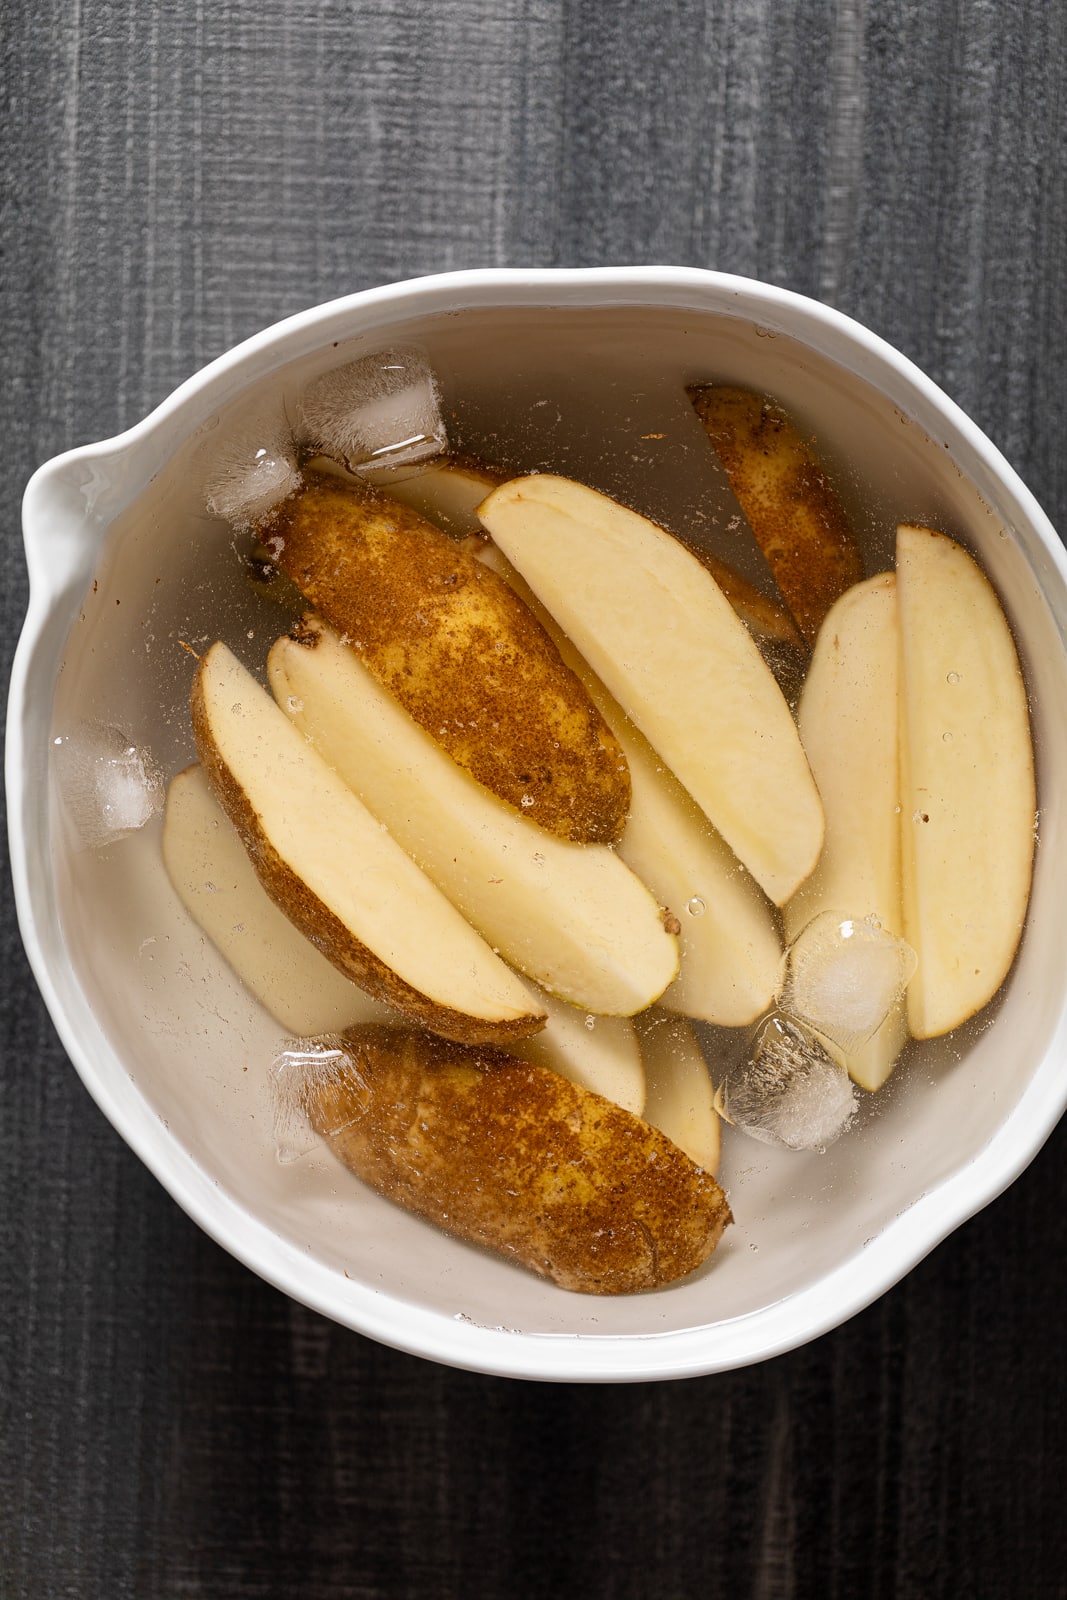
(510, 1155)
(460, 651)
(790, 503)
(318, 923)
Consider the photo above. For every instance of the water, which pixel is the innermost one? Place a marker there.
(172, 578)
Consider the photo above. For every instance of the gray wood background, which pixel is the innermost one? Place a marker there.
(177, 175)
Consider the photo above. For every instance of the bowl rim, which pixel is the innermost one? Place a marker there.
(458, 1341)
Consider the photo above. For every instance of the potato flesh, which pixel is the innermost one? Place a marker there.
(789, 502)
(680, 1097)
(216, 882)
(572, 917)
(508, 1155)
(459, 650)
(338, 875)
(659, 633)
(849, 721)
(601, 1054)
(968, 798)
(730, 949)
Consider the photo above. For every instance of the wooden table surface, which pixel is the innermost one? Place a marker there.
(178, 175)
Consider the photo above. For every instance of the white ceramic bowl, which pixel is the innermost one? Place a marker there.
(124, 563)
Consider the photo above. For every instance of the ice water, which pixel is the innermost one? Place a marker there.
(594, 395)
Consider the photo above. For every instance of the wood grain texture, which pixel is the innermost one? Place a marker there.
(177, 176)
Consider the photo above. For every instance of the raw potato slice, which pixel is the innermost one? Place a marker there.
(680, 1098)
(216, 882)
(338, 875)
(572, 917)
(849, 727)
(459, 650)
(728, 938)
(791, 506)
(967, 782)
(448, 491)
(509, 1155)
(657, 629)
(601, 1054)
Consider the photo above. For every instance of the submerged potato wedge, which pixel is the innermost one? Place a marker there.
(849, 724)
(215, 880)
(790, 503)
(730, 947)
(447, 491)
(680, 1097)
(968, 801)
(459, 650)
(509, 1155)
(573, 918)
(339, 876)
(660, 634)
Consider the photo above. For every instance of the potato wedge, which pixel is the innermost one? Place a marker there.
(657, 630)
(459, 650)
(728, 935)
(338, 875)
(968, 803)
(215, 880)
(601, 1054)
(573, 918)
(849, 725)
(447, 491)
(680, 1096)
(790, 503)
(509, 1155)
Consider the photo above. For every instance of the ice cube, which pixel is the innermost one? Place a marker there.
(110, 787)
(298, 1066)
(788, 1091)
(382, 411)
(843, 976)
(251, 472)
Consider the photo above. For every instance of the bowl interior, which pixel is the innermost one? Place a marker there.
(595, 392)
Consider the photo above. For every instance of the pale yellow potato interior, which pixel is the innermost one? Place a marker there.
(967, 771)
(216, 882)
(601, 1054)
(729, 940)
(848, 720)
(680, 1097)
(347, 858)
(659, 632)
(572, 917)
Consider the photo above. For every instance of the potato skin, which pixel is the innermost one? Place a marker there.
(507, 1154)
(790, 503)
(460, 651)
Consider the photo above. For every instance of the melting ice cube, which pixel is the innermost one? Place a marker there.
(298, 1068)
(109, 786)
(843, 977)
(788, 1092)
(381, 411)
(251, 472)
